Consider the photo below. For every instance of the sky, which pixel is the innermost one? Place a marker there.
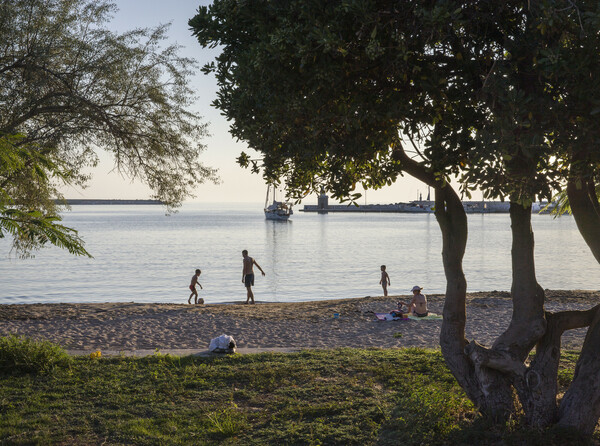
(237, 184)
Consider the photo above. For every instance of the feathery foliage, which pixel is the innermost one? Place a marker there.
(70, 88)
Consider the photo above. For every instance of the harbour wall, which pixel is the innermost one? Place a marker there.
(75, 202)
(420, 207)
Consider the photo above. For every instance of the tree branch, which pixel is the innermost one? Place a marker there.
(584, 211)
(570, 320)
(495, 359)
(527, 324)
(489, 390)
(580, 408)
(591, 190)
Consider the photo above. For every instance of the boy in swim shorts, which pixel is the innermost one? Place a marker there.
(193, 288)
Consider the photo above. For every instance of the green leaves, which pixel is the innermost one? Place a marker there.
(73, 87)
(20, 355)
(70, 87)
(323, 90)
(243, 160)
(33, 230)
(27, 207)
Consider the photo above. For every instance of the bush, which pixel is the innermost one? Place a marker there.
(19, 354)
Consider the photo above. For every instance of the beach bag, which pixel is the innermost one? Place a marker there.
(222, 344)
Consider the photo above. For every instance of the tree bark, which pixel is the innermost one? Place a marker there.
(528, 323)
(584, 206)
(538, 389)
(591, 189)
(580, 407)
(484, 386)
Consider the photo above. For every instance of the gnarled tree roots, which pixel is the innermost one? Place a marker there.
(536, 382)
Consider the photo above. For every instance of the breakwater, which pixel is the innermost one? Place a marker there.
(75, 202)
(419, 207)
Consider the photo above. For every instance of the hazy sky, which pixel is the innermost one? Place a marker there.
(238, 185)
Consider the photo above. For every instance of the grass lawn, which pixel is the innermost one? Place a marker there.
(326, 397)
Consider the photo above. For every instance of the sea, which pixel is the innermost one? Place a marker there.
(140, 254)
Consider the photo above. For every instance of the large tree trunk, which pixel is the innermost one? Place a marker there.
(489, 390)
(580, 407)
(485, 387)
(586, 210)
(528, 324)
(488, 374)
(539, 386)
(538, 389)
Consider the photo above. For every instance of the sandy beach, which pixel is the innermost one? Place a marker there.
(140, 328)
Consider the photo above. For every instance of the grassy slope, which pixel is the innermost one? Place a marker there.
(339, 397)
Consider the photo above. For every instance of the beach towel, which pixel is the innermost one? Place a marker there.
(389, 317)
(429, 317)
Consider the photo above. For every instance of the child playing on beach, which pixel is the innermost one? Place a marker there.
(193, 288)
(385, 280)
(401, 312)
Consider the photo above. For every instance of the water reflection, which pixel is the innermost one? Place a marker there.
(277, 249)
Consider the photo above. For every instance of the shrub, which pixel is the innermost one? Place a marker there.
(19, 354)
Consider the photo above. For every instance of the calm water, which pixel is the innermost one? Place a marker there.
(142, 255)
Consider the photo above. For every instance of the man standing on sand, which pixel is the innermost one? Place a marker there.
(248, 275)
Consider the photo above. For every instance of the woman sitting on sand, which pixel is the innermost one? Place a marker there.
(418, 304)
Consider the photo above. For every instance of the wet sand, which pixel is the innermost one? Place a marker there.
(142, 328)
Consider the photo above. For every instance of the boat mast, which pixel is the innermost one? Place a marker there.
(267, 198)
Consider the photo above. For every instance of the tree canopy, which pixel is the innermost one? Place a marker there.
(502, 95)
(327, 87)
(69, 88)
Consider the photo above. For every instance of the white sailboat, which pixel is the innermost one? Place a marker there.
(277, 210)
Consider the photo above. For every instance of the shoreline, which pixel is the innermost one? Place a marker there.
(143, 328)
(575, 294)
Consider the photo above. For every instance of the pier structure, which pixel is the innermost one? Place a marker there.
(85, 201)
(416, 207)
(322, 203)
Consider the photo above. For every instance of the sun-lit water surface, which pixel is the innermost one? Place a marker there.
(142, 255)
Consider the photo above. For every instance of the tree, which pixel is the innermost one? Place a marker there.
(69, 88)
(334, 94)
(26, 178)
